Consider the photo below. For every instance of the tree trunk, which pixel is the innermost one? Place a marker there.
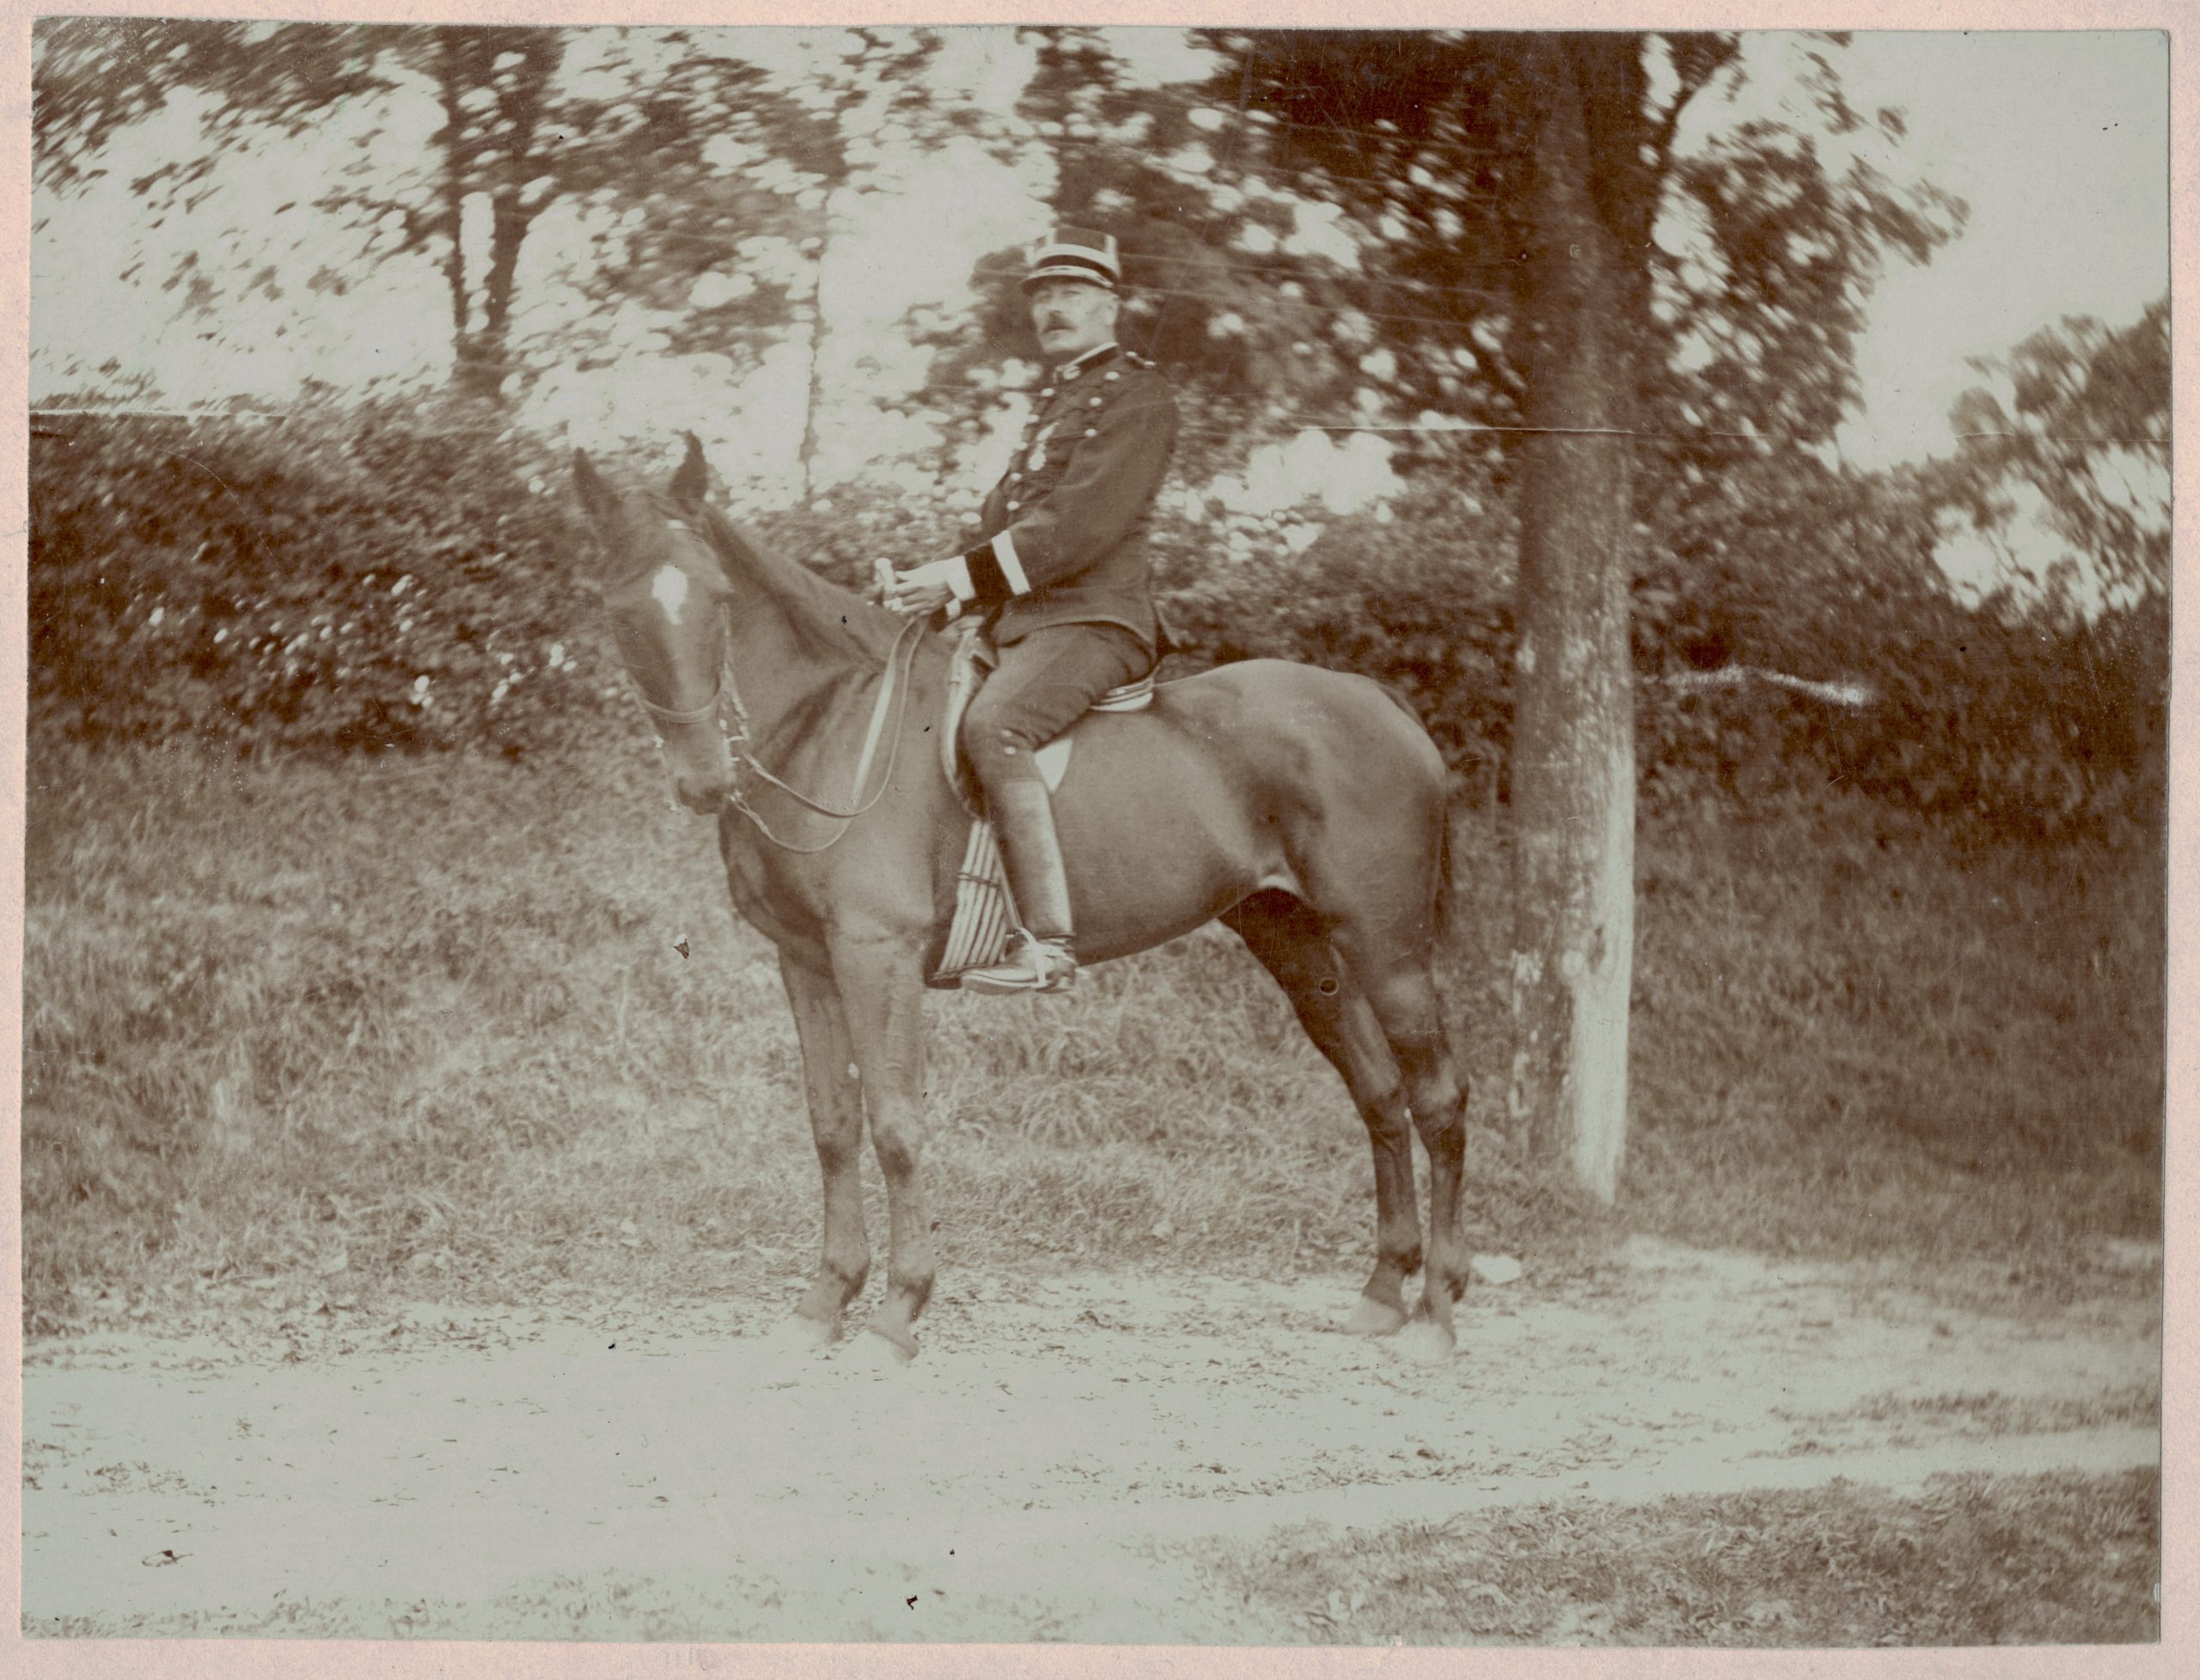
(813, 397)
(452, 186)
(521, 75)
(1573, 788)
(489, 152)
(484, 355)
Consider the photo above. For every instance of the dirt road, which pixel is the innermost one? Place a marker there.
(682, 1474)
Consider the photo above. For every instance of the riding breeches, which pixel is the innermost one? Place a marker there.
(1044, 683)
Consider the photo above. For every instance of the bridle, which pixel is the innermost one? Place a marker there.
(725, 698)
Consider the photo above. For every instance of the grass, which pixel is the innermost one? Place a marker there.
(2138, 1405)
(421, 1027)
(1971, 1561)
(1851, 1038)
(2053, 1559)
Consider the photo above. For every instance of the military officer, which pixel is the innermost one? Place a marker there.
(1061, 573)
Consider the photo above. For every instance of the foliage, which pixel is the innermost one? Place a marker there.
(1418, 598)
(680, 169)
(2017, 722)
(359, 581)
(1772, 235)
(182, 578)
(1330, 227)
(1989, 724)
(2085, 430)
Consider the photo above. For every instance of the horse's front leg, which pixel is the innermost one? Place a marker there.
(829, 1078)
(884, 991)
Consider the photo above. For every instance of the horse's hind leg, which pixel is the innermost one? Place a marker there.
(1381, 901)
(1404, 1000)
(1291, 943)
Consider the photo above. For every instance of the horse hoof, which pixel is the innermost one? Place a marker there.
(1374, 1317)
(1425, 1342)
(883, 1350)
(805, 1332)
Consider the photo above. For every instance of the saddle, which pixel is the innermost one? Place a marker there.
(974, 658)
(985, 910)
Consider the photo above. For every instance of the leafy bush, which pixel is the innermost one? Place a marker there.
(2003, 722)
(383, 579)
(363, 581)
(1420, 599)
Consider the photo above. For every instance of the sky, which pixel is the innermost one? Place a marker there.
(2058, 143)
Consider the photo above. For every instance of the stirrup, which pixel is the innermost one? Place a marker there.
(1033, 964)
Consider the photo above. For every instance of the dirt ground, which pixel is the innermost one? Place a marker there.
(1045, 1471)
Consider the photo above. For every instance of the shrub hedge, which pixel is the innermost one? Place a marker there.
(352, 582)
(375, 579)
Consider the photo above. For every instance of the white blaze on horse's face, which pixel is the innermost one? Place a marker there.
(669, 589)
(671, 636)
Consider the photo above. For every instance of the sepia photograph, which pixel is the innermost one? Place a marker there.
(1016, 834)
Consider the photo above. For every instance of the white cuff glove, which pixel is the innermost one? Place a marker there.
(954, 571)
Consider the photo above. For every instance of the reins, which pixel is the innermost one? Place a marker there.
(906, 639)
(728, 691)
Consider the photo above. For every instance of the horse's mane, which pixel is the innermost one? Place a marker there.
(836, 622)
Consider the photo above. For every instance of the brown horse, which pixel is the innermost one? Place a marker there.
(1305, 808)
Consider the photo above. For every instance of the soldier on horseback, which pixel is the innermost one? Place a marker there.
(1062, 576)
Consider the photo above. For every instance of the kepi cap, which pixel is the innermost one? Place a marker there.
(1076, 253)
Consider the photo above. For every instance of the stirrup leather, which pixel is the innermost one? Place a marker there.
(1033, 964)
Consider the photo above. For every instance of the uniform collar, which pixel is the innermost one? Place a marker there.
(1071, 370)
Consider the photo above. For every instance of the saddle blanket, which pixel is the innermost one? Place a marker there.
(985, 910)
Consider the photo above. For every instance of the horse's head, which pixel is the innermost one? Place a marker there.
(665, 593)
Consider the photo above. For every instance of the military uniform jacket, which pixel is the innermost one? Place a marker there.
(1063, 535)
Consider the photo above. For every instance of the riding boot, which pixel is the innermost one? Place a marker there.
(1040, 957)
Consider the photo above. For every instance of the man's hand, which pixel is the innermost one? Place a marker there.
(919, 591)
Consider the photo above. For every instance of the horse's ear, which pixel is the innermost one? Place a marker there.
(693, 481)
(598, 499)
